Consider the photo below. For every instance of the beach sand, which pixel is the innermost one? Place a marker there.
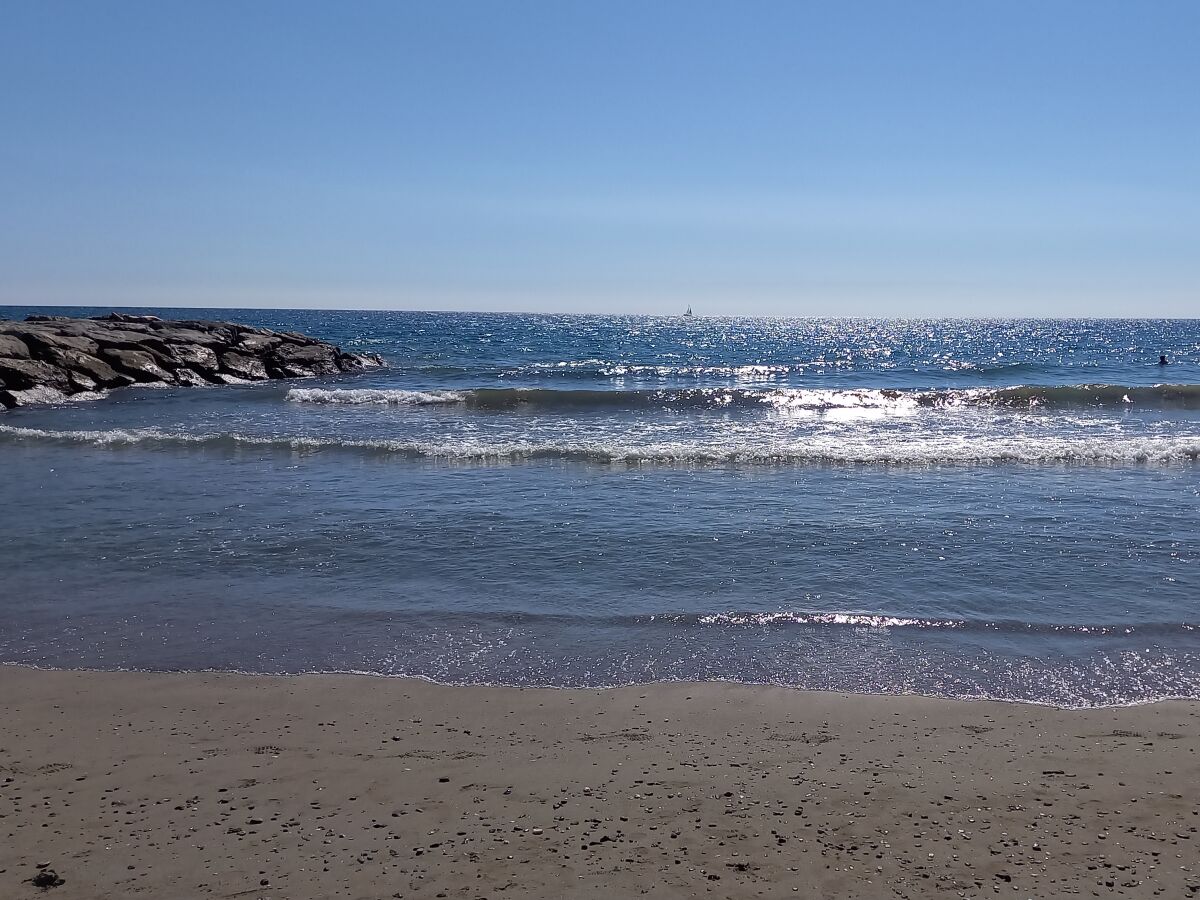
(341, 786)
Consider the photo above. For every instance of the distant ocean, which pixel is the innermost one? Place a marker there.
(982, 509)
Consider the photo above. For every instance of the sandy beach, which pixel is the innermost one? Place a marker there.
(342, 786)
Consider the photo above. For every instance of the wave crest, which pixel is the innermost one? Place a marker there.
(1161, 396)
(861, 620)
(880, 620)
(815, 450)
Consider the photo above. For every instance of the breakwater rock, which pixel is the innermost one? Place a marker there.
(48, 358)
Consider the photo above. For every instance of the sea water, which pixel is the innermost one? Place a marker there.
(963, 508)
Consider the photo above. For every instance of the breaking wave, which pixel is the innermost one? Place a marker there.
(857, 620)
(816, 449)
(1112, 396)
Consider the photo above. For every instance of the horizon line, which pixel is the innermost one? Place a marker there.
(495, 312)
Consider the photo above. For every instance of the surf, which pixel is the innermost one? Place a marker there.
(1099, 396)
(868, 449)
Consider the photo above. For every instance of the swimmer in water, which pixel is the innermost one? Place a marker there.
(1162, 359)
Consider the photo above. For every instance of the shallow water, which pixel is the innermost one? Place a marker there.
(975, 509)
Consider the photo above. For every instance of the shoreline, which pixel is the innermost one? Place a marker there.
(218, 784)
(484, 685)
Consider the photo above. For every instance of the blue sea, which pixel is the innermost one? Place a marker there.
(959, 508)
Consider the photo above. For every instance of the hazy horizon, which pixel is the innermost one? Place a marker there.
(866, 159)
(561, 312)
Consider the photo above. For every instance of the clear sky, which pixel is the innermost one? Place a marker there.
(795, 158)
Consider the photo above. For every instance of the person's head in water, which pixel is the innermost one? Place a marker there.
(1162, 359)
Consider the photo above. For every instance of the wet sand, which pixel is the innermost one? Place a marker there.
(339, 786)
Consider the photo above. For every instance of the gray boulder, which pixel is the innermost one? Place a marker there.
(226, 378)
(297, 338)
(140, 366)
(190, 378)
(13, 346)
(192, 356)
(295, 361)
(89, 366)
(41, 342)
(225, 333)
(24, 374)
(120, 338)
(242, 366)
(351, 362)
(80, 382)
(30, 397)
(172, 334)
(257, 344)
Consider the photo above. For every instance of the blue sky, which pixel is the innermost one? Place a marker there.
(792, 158)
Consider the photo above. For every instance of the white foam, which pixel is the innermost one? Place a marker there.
(889, 401)
(832, 448)
(860, 620)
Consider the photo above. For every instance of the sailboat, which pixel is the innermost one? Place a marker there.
(689, 314)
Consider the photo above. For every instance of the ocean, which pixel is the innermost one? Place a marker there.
(1004, 509)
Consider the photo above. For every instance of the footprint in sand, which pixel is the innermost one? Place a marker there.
(51, 768)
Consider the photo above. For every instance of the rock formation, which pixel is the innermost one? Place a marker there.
(47, 358)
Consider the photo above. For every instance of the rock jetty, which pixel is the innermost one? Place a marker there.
(47, 358)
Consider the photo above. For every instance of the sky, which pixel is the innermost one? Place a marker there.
(767, 158)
